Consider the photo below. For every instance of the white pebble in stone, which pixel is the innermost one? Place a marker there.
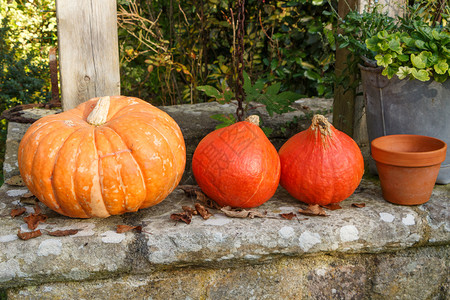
(15, 193)
(112, 237)
(408, 220)
(49, 246)
(349, 233)
(286, 232)
(308, 239)
(8, 238)
(387, 217)
(217, 220)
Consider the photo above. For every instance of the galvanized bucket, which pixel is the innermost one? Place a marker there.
(395, 106)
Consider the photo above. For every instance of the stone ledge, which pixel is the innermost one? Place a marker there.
(96, 251)
(215, 252)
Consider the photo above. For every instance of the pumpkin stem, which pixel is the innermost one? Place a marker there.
(254, 119)
(321, 123)
(99, 114)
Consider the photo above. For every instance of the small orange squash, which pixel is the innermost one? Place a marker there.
(237, 165)
(106, 157)
(321, 165)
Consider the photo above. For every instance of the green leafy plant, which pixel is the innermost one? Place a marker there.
(271, 96)
(423, 53)
(414, 46)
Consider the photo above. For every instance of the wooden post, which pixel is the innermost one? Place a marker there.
(88, 50)
(344, 101)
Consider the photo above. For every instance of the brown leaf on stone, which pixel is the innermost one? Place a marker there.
(202, 211)
(37, 209)
(189, 190)
(15, 180)
(332, 206)
(183, 217)
(63, 232)
(28, 235)
(189, 210)
(125, 228)
(33, 220)
(313, 210)
(288, 216)
(195, 191)
(208, 202)
(358, 205)
(242, 213)
(17, 211)
(28, 199)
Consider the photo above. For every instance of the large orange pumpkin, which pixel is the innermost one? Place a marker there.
(237, 165)
(321, 165)
(106, 157)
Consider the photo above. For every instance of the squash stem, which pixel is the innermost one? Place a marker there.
(320, 122)
(99, 114)
(254, 119)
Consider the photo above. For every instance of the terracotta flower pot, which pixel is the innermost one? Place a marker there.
(408, 166)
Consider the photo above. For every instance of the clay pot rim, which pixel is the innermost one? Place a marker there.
(404, 158)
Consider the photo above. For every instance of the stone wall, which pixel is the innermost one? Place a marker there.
(380, 251)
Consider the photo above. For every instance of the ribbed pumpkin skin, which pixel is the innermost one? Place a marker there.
(237, 166)
(131, 162)
(318, 169)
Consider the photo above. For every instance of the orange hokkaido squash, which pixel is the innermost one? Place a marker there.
(237, 165)
(321, 165)
(106, 157)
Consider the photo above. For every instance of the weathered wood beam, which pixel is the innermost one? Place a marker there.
(344, 101)
(88, 50)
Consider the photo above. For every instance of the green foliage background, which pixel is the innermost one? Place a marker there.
(168, 48)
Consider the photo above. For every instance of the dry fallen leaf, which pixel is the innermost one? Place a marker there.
(184, 217)
(242, 213)
(28, 235)
(195, 190)
(189, 210)
(37, 209)
(17, 211)
(313, 210)
(208, 202)
(125, 228)
(332, 206)
(202, 211)
(288, 216)
(189, 190)
(63, 232)
(15, 180)
(33, 220)
(358, 205)
(28, 199)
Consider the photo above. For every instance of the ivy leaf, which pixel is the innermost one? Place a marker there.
(394, 45)
(421, 75)
(384, 60)
(418, 61)
(441, 67)
(420, 44)
(382, 34)
(372, 43)
(403, 72)
(388, 72)
(403, 57)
